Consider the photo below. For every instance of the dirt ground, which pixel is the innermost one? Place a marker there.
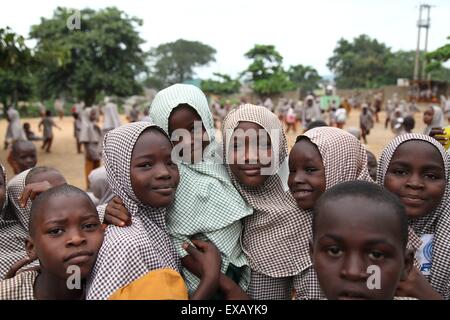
(65, 158)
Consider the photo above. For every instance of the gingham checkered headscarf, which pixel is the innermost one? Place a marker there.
(206, 202)
(276, 236)
(15, 188)
(436, 222)
(129, 252)
(12, 236)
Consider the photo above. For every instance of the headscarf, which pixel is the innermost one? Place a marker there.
(89, 131)
(130, 252)
(206, 202)
(436, 222)
(14, 131)
(12, 236)
(99, 185)
(15, 188)
(436, 122)
(111, 116)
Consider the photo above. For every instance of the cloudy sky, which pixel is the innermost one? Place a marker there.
(304, 32)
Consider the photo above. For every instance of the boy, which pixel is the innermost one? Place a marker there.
(65, 236)
(360, 232)
(23, 156)
(48, 124)
(31, 136)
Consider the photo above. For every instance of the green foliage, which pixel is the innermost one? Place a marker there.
(174, 62)
(104, 56)
(265, 73)
(435, 59)
(224, 86)
(306, 78)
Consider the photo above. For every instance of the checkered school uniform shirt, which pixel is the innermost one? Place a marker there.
(206, 203)
(436, 222)
(129, 252)
(20, 287)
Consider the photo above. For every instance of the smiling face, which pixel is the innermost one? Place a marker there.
(416, 174)
(250, 151)
(66, 232)
(185, 117)
(154, 176)
(351, 234)
(306, 174)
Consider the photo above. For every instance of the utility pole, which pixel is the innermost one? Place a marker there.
(416, 66)
(422, 24)
(427, 27)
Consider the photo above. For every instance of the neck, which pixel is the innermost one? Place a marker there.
(50, 287)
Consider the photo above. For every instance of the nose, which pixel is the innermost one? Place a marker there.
(415, 182)
(251, 153)
(76, 238)
(354, 268)
(162, 172)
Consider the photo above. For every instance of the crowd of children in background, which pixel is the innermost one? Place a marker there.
(221, 222)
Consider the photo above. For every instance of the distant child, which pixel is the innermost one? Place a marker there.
(291, 120)
(23, 156)
(365, 122)
(311, 111)
(357, 226)
(407, 125)
(14, 130)
(48, 124)
(31, 136)
(90, 137)
(433, 118)
(65, 236)
(341, 116)
(372, 165)
(416, 168)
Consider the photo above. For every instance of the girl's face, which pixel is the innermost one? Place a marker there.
(428, 116)
(2, 189)
(416, 174)
(306, 174)
(185, 117)
(154, 177)
(250, 150)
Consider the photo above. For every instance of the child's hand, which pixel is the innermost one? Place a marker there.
(116, 213)
(417, 286)
(438, 134)
(32, 190)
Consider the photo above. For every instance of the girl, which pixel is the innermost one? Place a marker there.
(365, 122)
(416, 167)
(433, 118)
(14, 130)
(140, 171)
(90, 137)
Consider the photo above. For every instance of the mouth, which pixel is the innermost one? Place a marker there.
(301, 193)
(79, 257)
(413, 200)
(251, 171)
(352, 295)
(164, 190)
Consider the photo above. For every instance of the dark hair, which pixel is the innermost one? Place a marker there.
(48, 113)
(26, 125)
(37, 170)
(20, 143)
(409, 122)
(367, 190)
(316, 124)
(41, 200)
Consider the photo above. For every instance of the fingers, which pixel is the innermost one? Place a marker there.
(110, 219)
(193, 251)
(25, 195)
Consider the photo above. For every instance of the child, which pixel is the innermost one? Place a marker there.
(65, 231)
(311, 111)
(291, 120)
(358, 225)
(433, 118)
(31, 136)
(206, 206)
(77, 129)
(14, 131)
(341, 116)
(372, 165)
(12, 234)
(48, 124)
(140, 171)
(408, 125)
(23, 156)
(111, 118)
(416, 168)
(365, 122)
(90, 137)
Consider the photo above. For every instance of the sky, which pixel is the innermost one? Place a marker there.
(304, 32)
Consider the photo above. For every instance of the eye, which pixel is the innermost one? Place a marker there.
(90, 226)
(145, 165)
(310, 169)
(55, 231)
(376, 255)
(334, 251)
(432, 176)
(399, 172)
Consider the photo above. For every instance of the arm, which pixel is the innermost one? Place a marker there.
(417, 286)
(230, 289)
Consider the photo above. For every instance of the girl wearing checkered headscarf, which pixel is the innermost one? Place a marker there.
(12, 234)
(428, 233)
(206, 204)
(130, 252)
(276, 236)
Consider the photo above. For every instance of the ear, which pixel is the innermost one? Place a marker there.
(409, 263)
(30, 248)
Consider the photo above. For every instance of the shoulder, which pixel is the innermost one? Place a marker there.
(20, 287)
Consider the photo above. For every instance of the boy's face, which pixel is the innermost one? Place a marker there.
(306, 174)
(250, 151)
(25, 156)
(428, 116)
(185, 117)
(351, 234)
(416, 175)
(154, 176)
(65, 233)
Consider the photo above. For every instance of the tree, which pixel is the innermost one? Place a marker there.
(305, 77)
(225, 85)
(16, 62)
(104, 56)
(359, 64)
(174, 62)
(265, 73)
(436, 58)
